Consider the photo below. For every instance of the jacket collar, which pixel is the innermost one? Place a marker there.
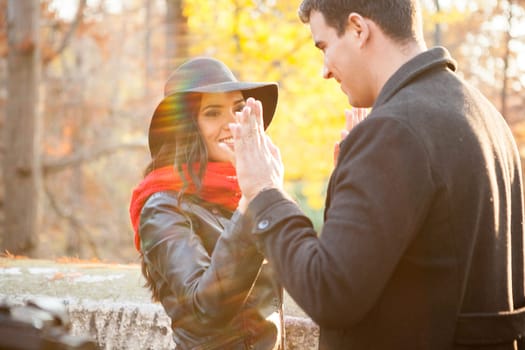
(420, 64)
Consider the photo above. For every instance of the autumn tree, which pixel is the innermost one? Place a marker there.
(21, 167)
(484, 37)
(264, 40)
(176, 34)
(103, 71)
(97, 93)
(78, 114)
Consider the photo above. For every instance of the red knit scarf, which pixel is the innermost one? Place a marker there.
(219, 186)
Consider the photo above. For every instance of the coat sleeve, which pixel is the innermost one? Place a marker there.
(379, 194)
(197, 290)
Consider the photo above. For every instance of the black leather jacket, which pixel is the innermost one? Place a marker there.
(214, 285)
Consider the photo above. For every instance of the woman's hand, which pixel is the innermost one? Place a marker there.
(352, 117)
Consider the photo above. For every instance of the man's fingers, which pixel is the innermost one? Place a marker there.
(274, 150)
(354, 116)
(257, 159)
(258, 111)
(336, 153)
(246, 132)
(348, 119)
(235, 127)
(252, 109)
(361, 114)
(248, 128)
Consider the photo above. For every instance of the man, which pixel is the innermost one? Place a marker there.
(422, 244)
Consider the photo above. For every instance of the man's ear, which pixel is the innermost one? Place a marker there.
(358, 27)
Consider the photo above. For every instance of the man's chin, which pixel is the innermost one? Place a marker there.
(348, 96)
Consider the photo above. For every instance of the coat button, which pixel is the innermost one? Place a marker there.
(263, 224)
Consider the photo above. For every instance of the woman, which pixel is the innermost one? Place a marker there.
(211, 280)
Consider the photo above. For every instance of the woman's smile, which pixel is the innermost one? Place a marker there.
(216, 113)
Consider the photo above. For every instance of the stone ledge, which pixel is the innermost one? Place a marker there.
(108, 303)
(134, 326)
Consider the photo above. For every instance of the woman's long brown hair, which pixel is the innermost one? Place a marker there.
(182, 144)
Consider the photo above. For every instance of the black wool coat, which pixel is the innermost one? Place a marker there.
(423, 220)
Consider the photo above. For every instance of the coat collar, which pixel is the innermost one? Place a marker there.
(420, 64)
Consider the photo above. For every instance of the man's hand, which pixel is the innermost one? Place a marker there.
(352, 117)
(257, 160)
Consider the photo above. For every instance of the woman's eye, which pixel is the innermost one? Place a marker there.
(239, 108)
(212, 113)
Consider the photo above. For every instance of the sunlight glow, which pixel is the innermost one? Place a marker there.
(68, 8)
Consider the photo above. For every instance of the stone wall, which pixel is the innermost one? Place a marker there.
(108, 303)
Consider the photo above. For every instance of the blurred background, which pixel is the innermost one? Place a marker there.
(79, 80)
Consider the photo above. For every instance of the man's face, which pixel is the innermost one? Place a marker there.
(342, 58)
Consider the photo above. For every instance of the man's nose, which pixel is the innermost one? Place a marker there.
(327, 74)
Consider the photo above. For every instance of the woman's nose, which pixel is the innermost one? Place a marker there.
(230, 119)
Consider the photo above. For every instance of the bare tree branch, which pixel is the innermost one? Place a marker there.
(74, 221)
(84, 156)
(67, 37)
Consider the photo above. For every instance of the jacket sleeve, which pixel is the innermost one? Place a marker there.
(197, 290)
(379, 194)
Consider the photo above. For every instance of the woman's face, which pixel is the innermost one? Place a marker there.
(217, 110)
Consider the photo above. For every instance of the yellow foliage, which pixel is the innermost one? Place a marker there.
(314, 192)
(266, 42)
(450, 16)
(269, 43)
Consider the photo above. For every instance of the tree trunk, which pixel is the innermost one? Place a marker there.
(76, 113)
(148, 69)
(506, 56)
(22, 162)
(176, 34)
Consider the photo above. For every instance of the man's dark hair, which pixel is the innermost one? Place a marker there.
(396, 18)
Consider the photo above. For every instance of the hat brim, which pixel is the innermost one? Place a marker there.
(161, 125)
